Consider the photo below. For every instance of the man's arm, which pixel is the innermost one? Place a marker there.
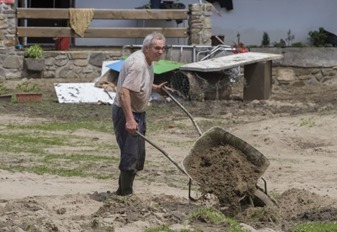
(158, 88)
(125, 100)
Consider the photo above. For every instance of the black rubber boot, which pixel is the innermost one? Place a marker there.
(125, 182)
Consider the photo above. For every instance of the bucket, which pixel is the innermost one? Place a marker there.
(62, 43)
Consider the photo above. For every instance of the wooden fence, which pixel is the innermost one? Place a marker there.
(102, 14)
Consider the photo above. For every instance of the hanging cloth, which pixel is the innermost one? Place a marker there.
(80, 19)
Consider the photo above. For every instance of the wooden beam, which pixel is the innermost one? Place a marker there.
(63, 13)
(42, 13)
(102, 32)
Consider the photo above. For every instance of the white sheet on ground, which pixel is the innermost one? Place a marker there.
(82, 93)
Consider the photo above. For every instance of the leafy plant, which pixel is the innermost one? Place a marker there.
(265, 40)
(3, 89)
(318, 38)
(35, 51)
(28, 87)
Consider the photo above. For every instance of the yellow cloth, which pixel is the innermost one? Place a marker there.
(80, 19)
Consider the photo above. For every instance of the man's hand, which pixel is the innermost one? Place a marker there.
(159, 88)
(131, 126)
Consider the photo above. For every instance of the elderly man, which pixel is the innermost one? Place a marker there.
(134, 87)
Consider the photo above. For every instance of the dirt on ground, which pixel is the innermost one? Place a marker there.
(295, 130)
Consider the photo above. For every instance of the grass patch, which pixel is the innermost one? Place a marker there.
(80, 171)
(212, 216)
(83, 170)
(165, 228)
(66, 126)
(38, 149)
(307, 122)
(316, 227)
(80, 157)
(33, 138)
(3, 89)
(80, 165)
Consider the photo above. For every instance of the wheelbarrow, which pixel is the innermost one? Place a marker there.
(216, 137)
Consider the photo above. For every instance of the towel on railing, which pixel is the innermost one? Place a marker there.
(80, 19)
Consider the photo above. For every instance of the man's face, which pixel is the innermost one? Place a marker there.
(154, 52)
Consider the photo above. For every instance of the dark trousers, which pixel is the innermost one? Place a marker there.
(132, 147)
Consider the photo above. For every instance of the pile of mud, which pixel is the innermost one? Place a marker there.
(225, 172)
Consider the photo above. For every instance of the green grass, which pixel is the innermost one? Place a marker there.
(3, 89)
(307, 122)
(316, 227)
(211, 215)
(25, 138)
(165, 228)
(50, 147)
(35, 142)
(80, 157)
(86, 169)
(66, 126)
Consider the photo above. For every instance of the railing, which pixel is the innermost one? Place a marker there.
(102, 32)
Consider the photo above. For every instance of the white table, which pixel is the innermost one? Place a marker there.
(257, 71)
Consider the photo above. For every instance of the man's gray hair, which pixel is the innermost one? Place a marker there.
(153, 36)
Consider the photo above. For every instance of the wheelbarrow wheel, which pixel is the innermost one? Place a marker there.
(261, 199)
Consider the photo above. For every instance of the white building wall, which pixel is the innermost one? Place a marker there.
(249, 18)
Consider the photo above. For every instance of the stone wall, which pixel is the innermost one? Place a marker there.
(299, 76)
(84, 64)
(303, 66)
(200, 24)
(10, 63)
(299, 65)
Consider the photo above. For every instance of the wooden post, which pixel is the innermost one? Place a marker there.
(258, 81)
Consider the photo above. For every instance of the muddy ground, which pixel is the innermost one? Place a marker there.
(295, 129)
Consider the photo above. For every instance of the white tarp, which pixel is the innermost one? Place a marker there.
(82, 93)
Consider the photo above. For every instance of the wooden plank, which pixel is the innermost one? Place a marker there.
(230, 61)
(145, 14)
(108, 32)
(136, 14)
(42, 13)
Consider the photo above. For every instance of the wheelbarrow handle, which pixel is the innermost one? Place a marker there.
(162, 151)
(183, 108)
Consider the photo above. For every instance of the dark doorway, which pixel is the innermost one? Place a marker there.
(45, 22)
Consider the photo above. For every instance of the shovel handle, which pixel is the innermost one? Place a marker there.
(183, 108)
(161, 150)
